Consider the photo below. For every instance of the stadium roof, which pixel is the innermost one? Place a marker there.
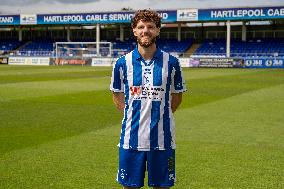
(75, 6)
(168, 16)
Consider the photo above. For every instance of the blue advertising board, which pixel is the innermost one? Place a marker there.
(9, 19)
(98, 18)
(240, 13)
(168, 16)
(264, 63)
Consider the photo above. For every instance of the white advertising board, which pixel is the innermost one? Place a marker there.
(103, 61)
(41, 61)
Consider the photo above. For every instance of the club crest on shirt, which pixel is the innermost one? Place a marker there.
(146, 80)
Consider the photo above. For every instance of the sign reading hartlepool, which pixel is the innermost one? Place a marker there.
(244, 13)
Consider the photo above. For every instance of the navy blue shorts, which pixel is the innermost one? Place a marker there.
(160, 166)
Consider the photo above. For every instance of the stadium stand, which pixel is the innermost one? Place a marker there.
(175, 47)
(269, 47)
(8, 45)
(122, 47)
(45, 48)
(251, 48)
(36, 48)
(172, 46)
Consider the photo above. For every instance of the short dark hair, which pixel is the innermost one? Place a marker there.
(146, 16)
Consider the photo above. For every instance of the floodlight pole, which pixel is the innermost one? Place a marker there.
(98, 39)
(228, 39)
(121, 33)
(20, 34)
(68, 33)
(56, 58)
(244, 31)
(179, 32)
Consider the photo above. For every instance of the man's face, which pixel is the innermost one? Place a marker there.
(146, 33)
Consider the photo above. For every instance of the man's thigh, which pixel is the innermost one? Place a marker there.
(161, 168)
(132, 167)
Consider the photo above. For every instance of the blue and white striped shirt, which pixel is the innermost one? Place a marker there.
(148, 122)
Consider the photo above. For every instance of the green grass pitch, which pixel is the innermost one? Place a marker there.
(59, 129)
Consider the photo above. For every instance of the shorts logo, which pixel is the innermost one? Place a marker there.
(135, 90)
(171, 164)
(122, 174)
(172, 177)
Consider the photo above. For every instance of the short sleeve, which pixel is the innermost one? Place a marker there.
(116, 84)
(178, 82)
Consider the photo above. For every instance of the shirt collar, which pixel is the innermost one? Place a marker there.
(138, 56)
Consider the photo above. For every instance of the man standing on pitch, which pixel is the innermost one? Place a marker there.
(147, 86)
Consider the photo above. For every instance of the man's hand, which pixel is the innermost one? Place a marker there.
(118, 100)
(176, 101)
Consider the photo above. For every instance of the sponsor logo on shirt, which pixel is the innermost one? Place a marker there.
(147, 92)
(135, 90)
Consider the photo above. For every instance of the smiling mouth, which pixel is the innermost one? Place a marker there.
(146, 40)
(146, 36)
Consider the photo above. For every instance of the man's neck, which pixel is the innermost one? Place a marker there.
(147, 53)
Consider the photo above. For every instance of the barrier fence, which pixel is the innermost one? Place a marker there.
(274, 60)
(220, 62)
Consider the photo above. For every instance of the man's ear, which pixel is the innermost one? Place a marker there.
(134, 32)
(158, 32)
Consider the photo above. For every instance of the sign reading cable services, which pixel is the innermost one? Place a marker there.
(93, 18)
(240, 13)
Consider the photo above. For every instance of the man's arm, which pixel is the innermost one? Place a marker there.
(176, 101)
(118, 100)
